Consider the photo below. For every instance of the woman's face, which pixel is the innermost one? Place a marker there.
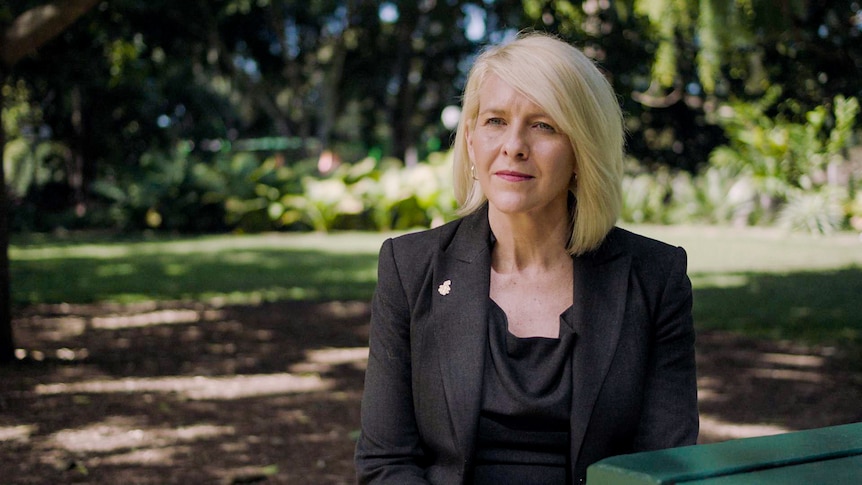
(523, 161)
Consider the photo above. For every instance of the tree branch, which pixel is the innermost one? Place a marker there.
(33, 28)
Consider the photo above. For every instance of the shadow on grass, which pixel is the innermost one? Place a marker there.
(778, 353)
(809, 307)
(245, 275)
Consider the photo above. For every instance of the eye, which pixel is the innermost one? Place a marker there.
(544, 126)
(494, 122)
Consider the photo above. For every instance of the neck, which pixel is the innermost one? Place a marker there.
(525, 242)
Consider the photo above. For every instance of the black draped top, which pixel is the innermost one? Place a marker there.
(524, 423)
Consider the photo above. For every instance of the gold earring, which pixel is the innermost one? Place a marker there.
(473, 172)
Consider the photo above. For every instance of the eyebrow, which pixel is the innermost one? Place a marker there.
(502, 111)
(492, 111)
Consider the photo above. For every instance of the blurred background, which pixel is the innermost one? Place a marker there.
(256, 115)
(195, 191)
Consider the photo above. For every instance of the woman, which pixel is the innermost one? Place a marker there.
(530, 338)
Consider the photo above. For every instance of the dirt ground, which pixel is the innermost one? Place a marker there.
(194, 394)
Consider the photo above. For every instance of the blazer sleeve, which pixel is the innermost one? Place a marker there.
(669, 413)
(389, 448)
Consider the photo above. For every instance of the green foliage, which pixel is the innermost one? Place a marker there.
(20, 114)
(33, 165)
(374, 195)
(776, 168)
(665, 196)
(93, 120)
(162, 191)
(238, 191)
(645, 195)
(819, 212)
(666, 17)
(792, 165)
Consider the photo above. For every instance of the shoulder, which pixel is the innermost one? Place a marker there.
(461, 238)
(646, 252)
(639, 244)
(425, 243)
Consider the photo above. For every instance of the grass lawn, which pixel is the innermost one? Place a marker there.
(237, 269)
(760, 282)
(768, 283)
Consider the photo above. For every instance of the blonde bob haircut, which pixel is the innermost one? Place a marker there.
(568, 86)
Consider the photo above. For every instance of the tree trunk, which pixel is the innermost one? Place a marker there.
(7, 345)
(75, 167)
(401, 111)
(21, 38)
(331, 95)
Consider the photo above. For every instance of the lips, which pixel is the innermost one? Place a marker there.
(512, 176)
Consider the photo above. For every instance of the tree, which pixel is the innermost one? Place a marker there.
(675, 62)
(23, 36)
(358, 78)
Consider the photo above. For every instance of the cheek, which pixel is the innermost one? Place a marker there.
(484, 145)
(569, 162)
(471, 152)
(563, 167)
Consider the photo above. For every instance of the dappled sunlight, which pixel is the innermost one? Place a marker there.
(121, 433)
(198, 387)
(722, 249)
(69, 321)
(793, 360)
(323, 360)
(339, 356)
(221, 394)
(344, 243)
(785, 366)
(263, 295)
(63, 354)
(61, 328)
(319, 437)
(17, 433)
(714, 429)
(754, 366)
(718, 280)
(810, 307)
(749, 388)
(343, 309)
(114, 270)
(787, 375)
(161, 317)
(709, 390)
(124, 441)
(163, 456)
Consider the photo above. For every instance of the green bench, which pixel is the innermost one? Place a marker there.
(831, 455)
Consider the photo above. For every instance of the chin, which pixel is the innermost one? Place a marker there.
(512, 207)
(509, 205)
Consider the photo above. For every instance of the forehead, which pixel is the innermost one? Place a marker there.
(495, 94)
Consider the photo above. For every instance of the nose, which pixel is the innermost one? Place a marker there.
(516, 145)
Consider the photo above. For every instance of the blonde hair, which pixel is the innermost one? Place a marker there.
(568, 86)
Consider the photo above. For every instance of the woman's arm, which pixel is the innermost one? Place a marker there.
(669, 414)
(389, 449)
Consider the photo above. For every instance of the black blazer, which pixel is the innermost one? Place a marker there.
(633, 362)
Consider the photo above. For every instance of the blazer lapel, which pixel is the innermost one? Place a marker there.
(461, 308)
(600, 293)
